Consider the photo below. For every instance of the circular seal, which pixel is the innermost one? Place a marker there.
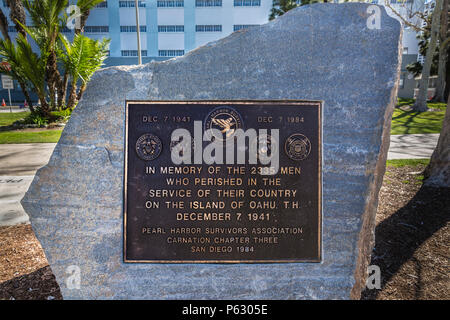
(224, 119)
(297, 147)
(148, 147)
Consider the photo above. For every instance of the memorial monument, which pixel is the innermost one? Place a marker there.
(248, 169)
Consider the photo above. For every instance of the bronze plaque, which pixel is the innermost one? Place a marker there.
(222, 182)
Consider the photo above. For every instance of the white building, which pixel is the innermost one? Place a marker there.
(171, 28)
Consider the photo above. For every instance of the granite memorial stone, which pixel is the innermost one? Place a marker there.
(345, 55)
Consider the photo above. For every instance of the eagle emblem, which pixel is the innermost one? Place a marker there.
(226, 120)
(225, 125)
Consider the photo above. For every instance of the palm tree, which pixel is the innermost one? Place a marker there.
(4, 25)
(280, 7)
(85, 7)
(83, 57)
(42, 72)
(26, 65)
(46, 18)
(17, 15)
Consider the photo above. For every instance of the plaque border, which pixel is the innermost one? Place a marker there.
(318, 103)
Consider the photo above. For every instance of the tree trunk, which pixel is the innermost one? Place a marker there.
(447, 78)
(442, 67)
(26, 94)
(52, 75)
(421, 100)
(443, 54)
(44, 110)
(62, 92)
(83, 20)
(72, 101)
(437, 172)
(80, 93)
(17, 13)
(4, 26)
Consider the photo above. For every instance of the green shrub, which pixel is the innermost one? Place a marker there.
(61, 116)
(35, 118)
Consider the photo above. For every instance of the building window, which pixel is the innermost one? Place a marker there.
(103, 4)
(208, 3)
(402, 81)
(238, 27)
(208, 28)
(405, 50)
(170, 53)
(133, 53)
(130, 4)
(247, 3)
(170, 28)
(12, 29)
(170, 3)
(65, 30)
(132, 28)
(96, 29)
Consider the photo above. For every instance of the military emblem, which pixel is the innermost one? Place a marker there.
(224, 119)
(297, 147)
(148, 147)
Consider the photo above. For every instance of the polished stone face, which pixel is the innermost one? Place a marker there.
(247, 188)
(324, 52)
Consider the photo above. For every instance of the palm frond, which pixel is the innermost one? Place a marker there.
(25, 64)
(83, 56)
(86, 5)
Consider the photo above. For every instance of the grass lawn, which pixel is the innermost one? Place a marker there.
(8, 118)
(15, 136)
(408, 165)
(45, 136)
(404, 122)
(398, 163)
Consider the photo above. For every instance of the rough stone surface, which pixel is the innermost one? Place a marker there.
(319, 52)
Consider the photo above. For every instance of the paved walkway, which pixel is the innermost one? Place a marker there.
(24, 159)
(412, 146)
(12, 190)
(12, 109)
(19, 162)
(18, 165)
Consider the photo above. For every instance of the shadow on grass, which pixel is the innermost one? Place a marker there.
(410, 122)
(410, 116)
(398, 237)
(405, 102)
